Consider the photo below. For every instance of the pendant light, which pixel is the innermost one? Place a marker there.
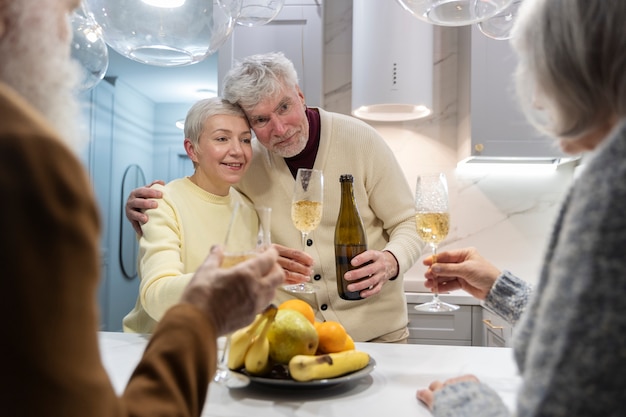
(499, 26)
(258, 12)
(89, 50)
(392, 63)
(454, 12)
(164, 32)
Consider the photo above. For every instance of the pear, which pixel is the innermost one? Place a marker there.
(291, 334)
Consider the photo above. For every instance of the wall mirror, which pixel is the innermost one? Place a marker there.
(128, 247)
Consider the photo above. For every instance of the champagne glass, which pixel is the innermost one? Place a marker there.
(432, 218)
(240, 244)
(306, 212)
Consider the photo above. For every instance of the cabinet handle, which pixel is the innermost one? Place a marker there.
(491, 326)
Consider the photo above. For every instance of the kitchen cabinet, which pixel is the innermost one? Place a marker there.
(497, 332)
(490, 122)
(297, 31)
(461, 327)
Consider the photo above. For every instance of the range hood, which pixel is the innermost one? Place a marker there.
(392, 63)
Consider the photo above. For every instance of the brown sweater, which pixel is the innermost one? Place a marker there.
(49, 229)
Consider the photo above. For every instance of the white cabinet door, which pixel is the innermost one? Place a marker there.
(497, 332)
(444, 328)
(297, 32)
(491, 123)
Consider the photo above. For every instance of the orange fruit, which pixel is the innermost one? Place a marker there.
(349, 343)
(332, 337)
(300, 306)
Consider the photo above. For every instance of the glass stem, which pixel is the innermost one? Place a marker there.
(435, 285)
(222, 371)
(226, 347)
(304, 236)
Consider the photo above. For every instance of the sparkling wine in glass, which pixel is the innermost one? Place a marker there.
(238, 248)
(306, 212)
(432, 218)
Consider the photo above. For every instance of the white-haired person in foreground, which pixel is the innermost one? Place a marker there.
(50, 257)
(570, 334)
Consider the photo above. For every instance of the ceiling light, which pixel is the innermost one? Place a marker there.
(205, 93)
(89, 50)
(259, 12)
(158, 33)
(392, 69)
(499, 27)
(454, 12)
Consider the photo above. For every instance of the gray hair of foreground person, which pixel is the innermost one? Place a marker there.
(203, 110)
(257, 77)
(574, 52)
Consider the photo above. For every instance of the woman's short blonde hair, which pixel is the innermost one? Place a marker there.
(204, 109)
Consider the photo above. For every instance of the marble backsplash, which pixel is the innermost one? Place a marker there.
(508, 217)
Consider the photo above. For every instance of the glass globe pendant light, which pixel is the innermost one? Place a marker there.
(258, 12)
(454, 12)
(164, 32)
(89, 50)
(499, 26)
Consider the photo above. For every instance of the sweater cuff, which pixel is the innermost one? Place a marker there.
(468, 399)
(185, 321)
(508, 297)
(397, 265)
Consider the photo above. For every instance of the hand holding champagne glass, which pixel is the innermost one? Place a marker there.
(432, 218)
(241, 244)
(306, 211)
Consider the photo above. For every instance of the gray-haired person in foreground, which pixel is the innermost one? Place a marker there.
(570, 331)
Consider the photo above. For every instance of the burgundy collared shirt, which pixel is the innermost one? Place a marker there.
(306, 158)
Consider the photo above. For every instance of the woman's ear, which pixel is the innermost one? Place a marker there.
(191, 151)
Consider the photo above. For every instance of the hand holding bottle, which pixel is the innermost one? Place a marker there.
(376, 266)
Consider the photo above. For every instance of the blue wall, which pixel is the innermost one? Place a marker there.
(121, 126)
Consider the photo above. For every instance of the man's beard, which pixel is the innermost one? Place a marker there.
(292, 150)
(38, 66)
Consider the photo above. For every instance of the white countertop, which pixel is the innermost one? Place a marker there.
(389, 390)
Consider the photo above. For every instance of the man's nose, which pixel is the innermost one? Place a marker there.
(277, 124)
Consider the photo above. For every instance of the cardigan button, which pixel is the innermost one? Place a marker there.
(324, 307)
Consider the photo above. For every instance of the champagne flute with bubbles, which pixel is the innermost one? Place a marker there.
(241, 243)
(306, 212)
(432, 218)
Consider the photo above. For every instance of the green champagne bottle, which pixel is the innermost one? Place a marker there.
(350, 237)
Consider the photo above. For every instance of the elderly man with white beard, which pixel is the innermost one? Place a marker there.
(49, 233)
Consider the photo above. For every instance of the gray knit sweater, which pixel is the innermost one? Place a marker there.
(570, 342)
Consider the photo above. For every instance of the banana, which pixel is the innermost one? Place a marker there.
(257, 360)
(242, 339)
(310, 367)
